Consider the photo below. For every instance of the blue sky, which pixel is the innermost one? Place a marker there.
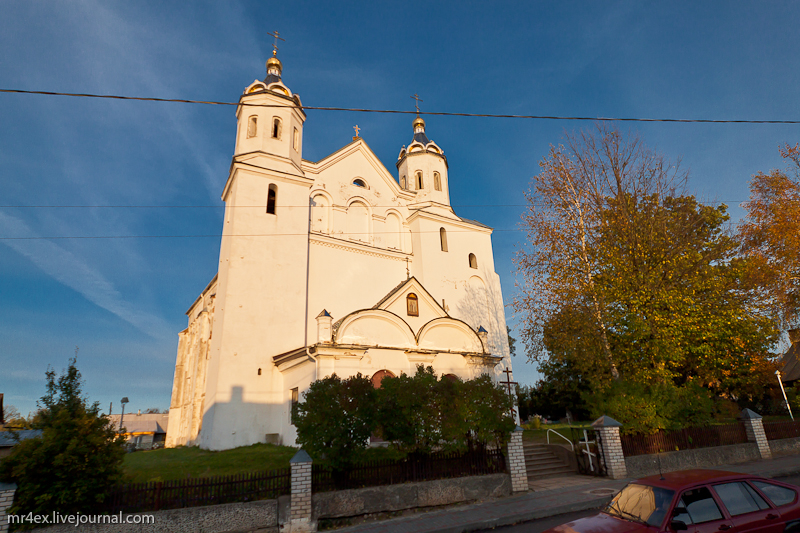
(122, 301)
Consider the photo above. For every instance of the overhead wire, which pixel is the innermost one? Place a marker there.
(403, 112)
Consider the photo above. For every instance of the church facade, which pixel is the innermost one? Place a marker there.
(337, 266)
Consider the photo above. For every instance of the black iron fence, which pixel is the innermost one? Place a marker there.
(412, 468)
(136, 497)
(683, 439)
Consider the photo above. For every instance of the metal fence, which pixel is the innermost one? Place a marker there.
(412, 468)
(136, 497)
(683, 439)
(782, 430)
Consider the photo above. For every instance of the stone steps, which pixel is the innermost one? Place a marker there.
(542, 463)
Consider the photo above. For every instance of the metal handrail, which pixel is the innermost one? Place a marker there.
(560, 435)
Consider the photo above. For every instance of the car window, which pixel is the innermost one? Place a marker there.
(778, 495)
(737, 499)
(762, 504)
(700, 506)
(641, 503)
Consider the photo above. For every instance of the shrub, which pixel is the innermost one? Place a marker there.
(77, 460)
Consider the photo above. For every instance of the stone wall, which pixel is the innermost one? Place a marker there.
(781, 447)
(647, 465)
(227, 517)
(358, 502)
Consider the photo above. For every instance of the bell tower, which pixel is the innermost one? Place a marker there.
(261, 286)
(422, 167)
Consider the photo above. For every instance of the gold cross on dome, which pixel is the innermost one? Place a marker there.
(275, 46)
(357, 129)
(417, 100)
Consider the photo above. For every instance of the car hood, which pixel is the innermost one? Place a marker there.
(600, 523)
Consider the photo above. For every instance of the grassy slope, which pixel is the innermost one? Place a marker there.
(180, 463)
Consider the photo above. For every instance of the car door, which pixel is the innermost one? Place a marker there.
(747, 509)
(698, 509)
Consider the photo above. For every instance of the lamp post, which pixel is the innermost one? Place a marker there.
(778, 373)
(123, 401)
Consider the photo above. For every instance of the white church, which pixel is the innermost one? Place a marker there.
(335, 266)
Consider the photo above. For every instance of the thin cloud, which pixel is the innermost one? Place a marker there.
(72, 271)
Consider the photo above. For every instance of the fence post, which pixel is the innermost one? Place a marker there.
(755, 432)
(611, 446)
(300, 513)
(7, 491)
(516, 462)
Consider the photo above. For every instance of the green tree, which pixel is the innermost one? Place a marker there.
(336, 418)
(77, 460)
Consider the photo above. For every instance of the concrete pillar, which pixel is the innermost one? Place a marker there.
(755, 432)
(300, 513)
(7, 491)
(611, 447)
(516, 462)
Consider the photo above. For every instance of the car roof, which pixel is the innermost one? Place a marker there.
(685, 479)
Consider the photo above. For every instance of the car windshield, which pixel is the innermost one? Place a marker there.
(641, 503)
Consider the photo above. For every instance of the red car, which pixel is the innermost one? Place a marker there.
(699, 501)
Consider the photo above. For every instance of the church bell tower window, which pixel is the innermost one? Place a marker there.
(443, 239)
(419, 181)
(412, 304)
(437, 181)
(276, 128)
(272, 198)
(252, 126)
(473, 261)
(296, 140)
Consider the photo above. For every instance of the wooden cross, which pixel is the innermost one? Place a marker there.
(357, 129)
(508, 384)
(275, 46)
(417, 100)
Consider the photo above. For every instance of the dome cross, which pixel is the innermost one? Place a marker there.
(275, 45)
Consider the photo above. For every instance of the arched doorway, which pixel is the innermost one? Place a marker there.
(379, 376)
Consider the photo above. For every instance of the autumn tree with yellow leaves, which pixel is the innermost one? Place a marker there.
(634, 285)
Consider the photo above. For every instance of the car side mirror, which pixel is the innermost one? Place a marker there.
(677, 525)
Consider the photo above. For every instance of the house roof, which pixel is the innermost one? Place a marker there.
(144, 423)
(791, 365)
(11, 438)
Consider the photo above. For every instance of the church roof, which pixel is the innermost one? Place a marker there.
(475, 222)
(271, 78)
(421, 138)
(791, 365)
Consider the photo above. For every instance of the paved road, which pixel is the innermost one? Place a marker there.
(537, 526)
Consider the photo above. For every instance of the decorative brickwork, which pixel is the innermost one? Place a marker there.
(300, 515)
(516, 462)
(7, 491)
(755, 432)
(611, 447)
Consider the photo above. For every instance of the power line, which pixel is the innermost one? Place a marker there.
(401, 112)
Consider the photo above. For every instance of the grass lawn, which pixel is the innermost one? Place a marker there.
(539, 436)
(179, 463)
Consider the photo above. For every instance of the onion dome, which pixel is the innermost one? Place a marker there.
(274, 68)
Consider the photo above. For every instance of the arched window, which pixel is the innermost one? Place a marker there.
(358, 222)
(276, 128)
(320, 213)
(473, 261)
(272, 198)
(393, 237)
(451, 377)
(412, 304)
(443, 239)
(252, 126)
(419, 181)
(437, 181)
(402, 182)
(296, 140)
(379, 376)
(259, 371)
(358, 182)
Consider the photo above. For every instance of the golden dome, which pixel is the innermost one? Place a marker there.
(418, 122)
(274, 62)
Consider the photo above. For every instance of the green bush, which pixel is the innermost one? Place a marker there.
(649, 408)
(336, 418)
(77, 460)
